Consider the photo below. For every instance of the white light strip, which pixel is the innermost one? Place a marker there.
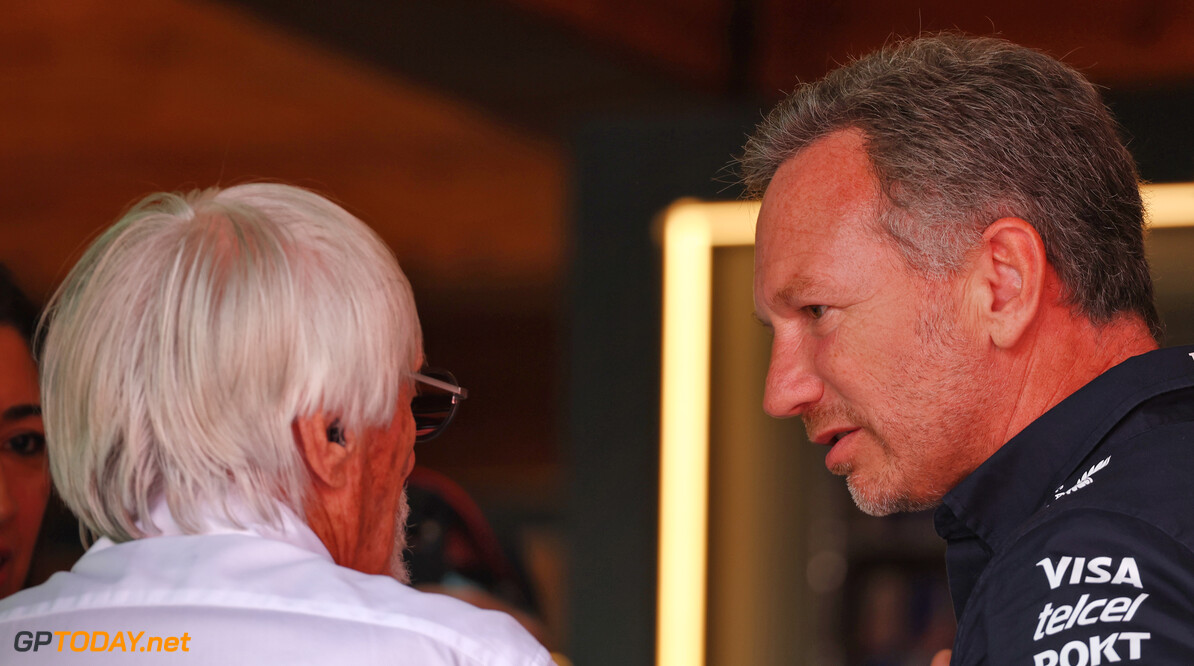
(684, 440)
(1170, 204)
(690, 232)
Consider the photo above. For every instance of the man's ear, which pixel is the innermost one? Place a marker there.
(328, 460)
(1008, 279)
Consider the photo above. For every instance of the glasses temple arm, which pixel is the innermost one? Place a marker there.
(459, 391)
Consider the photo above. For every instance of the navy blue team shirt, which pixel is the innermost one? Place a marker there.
(1073, 545)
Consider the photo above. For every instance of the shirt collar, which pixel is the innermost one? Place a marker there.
(1040, 458)
(290, 528)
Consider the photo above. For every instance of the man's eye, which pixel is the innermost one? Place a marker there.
(815, 311)
(27, 444)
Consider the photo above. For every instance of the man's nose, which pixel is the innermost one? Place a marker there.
(792, 381)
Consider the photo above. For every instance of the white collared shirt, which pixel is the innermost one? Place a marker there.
(255, 595)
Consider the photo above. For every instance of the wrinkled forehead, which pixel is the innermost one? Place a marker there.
(819, 225)
(827, 191)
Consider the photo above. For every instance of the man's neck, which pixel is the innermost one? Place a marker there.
(1060, 355)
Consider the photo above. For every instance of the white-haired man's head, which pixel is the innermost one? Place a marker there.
(194, 335)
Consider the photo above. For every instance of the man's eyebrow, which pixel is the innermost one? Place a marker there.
(790, 293)
(18, 412)
(795, 287)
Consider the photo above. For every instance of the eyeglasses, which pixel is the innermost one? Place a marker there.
(435, 402)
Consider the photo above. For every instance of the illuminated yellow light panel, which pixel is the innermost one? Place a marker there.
(690, 232)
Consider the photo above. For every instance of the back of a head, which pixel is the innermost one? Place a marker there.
(182, 346)
(964, 130)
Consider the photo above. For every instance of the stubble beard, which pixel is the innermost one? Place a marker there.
(941, 388)
(399, 571)
(873, 501)
(886, 490)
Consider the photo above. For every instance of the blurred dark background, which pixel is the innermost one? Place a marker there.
(514, 154)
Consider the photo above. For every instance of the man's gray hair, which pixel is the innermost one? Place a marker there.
(964, 130)
(181, 348)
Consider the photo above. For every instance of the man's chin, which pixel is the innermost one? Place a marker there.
(880, 502)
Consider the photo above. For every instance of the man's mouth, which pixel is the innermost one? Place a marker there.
(840, 457)
(831, 437)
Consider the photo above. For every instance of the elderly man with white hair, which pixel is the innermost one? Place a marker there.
(232, 393)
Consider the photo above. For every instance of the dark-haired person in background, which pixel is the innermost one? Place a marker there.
(950, 255)
(24, 474)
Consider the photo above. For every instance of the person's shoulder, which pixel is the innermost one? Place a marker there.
(494, 636)
(1082, 579)
(54, 595)
(1146, 474)
(230, 582)
(382, 607)
(28, 602)
(440, 614)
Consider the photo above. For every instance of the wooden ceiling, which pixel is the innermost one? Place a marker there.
(446, 125)
(772, 42)
(105, 102)
(547, 65)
